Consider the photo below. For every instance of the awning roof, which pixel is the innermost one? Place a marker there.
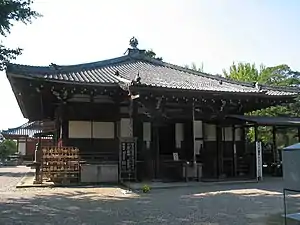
(268, 121)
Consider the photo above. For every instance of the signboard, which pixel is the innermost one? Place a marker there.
(259, 174)
(175, 156)
(127, 164)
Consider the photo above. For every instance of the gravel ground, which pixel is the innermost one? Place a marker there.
(210, 205)
(10, 176)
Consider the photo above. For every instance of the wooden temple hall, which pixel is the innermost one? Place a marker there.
(135, 117)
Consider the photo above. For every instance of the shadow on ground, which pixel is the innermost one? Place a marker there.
(12, 174)
(214, 205)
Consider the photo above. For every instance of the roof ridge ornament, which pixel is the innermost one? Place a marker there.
(133, 42)
(54, 66)
(257, 86)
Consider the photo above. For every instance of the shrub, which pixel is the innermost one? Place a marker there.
(146, 188)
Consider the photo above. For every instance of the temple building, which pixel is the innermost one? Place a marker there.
(142, 118)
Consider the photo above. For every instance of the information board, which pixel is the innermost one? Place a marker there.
(127, 165)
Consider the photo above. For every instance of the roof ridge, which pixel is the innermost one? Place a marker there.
(70, 68)
(285, 88)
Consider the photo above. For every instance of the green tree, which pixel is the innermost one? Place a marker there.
(11, 11)
(7, 147)
(193, 66)
(150, 53)
(280, 75)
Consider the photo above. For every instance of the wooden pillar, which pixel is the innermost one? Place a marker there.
(62, 125)
(255, 141)
(147, 168)
(92, 122)
(137, 135)
(135, 120)
(18, 145)
(26, 139)
(194, 135)
(275, 152)
(255, 133)
(219, 150)
(155, 137)
(234, 152)
(57, 125)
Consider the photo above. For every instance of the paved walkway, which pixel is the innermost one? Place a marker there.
(259, 204)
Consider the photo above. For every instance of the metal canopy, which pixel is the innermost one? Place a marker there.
(268, 121)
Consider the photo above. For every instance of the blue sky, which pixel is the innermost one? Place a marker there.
(215, 32)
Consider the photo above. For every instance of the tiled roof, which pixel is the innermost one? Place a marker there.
(29, 129)
(268, 121)
(153, 73)
(23, 130)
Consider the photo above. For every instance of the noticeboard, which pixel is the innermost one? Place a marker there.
(127, 164)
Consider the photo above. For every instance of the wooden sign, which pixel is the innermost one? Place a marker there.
(127, 159)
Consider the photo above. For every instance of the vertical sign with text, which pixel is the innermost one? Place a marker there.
(127, 165)
(259, 174)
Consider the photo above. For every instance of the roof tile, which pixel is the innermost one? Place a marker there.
(153, 73)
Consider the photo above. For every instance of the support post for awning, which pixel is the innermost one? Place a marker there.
(255, 133)
(234, 151)
(258, 155)
(275, 155)
(255, 146)
(194, 137)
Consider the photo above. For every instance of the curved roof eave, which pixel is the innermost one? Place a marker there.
(106, 73)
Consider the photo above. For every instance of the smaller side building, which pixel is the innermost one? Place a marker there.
(26, 137)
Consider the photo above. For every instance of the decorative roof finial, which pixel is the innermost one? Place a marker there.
(133, 42)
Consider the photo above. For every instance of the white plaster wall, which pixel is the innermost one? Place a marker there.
(210, 132)
(198, 129)
(238, 133)
(179, 131)
(227, 133)
(80, 129)
(22, 147)
(179, 134)
(197, 146)
(125, 128)
(104, 130)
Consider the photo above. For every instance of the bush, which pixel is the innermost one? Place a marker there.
(7, 148)
(146, 188)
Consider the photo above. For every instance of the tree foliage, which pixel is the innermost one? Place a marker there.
(280, 75)
(13, 11)
(7, 147)
(150, 53)
(194, 66)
